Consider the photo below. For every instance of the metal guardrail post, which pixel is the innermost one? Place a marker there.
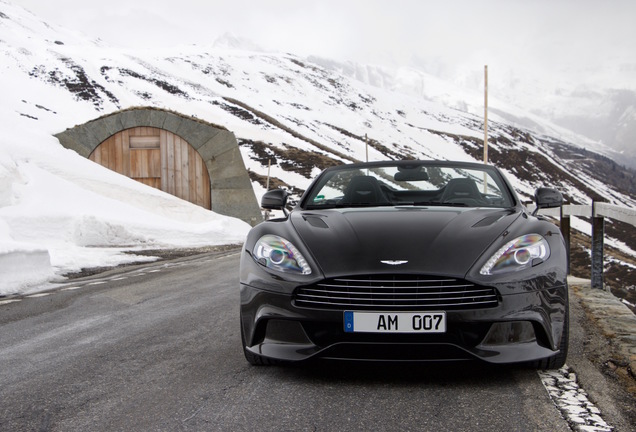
(598, 233)
(598, 211)
(565, 230)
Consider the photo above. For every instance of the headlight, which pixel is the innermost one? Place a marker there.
(276, 253)
(517, 254)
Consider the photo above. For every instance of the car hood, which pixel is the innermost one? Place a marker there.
(440, 240)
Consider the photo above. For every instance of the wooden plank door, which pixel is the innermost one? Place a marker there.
(157, 158)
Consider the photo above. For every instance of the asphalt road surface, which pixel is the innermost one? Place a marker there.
(157, 348)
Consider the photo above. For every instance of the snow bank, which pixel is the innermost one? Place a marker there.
(60, 212)
(23, 268)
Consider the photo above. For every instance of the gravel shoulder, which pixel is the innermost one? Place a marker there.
(160, 254)
(600, 352)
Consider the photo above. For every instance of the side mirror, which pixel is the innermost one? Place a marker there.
(275, 199)
(547, 198)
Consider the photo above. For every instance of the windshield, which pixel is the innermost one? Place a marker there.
(416, 183)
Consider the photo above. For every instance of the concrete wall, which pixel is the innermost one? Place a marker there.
(231, 191)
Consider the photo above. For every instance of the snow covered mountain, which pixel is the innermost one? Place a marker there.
(300, 115)
(599, 112)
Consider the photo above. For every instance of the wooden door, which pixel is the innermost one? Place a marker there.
(157, 158)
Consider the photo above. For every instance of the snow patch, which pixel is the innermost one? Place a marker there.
(91, 231)
(23, 267)
(571, 400)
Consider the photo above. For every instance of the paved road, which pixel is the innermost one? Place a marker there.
(158, 348)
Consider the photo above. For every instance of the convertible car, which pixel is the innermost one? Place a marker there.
(406, 261)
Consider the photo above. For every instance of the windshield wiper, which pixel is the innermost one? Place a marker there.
(439, 204)
(347, 205)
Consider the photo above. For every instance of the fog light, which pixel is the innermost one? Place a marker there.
(510, 332)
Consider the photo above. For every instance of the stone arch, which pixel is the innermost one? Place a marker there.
(230, 189)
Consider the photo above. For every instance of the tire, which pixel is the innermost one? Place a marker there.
(558, 360)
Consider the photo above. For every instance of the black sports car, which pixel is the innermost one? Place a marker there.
(406, 260)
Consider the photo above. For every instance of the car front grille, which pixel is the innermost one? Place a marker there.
(396, 292)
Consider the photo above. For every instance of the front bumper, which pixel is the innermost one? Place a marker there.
(525, 326)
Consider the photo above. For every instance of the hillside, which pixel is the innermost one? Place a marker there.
(286, 111)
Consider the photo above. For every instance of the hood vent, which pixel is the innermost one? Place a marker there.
(315, 221)
(487, 221)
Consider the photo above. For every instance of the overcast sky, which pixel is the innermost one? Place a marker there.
(543, 35)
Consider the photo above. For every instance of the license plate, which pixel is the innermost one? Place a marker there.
(395, 322)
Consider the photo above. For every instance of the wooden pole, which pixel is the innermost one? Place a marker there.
(486, 114)
(485, 126)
